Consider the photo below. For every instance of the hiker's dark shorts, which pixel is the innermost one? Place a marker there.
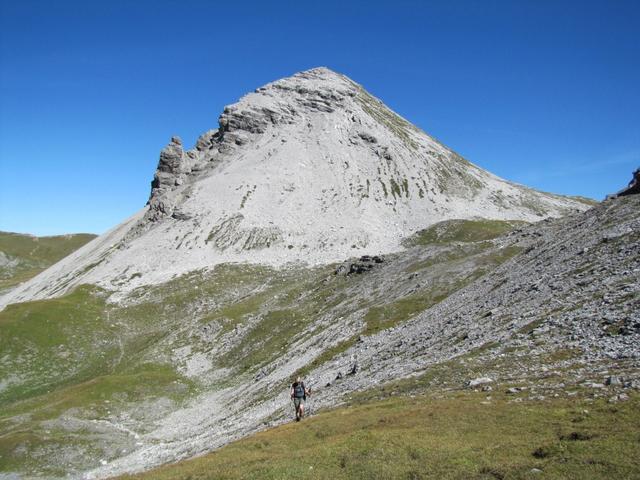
(297, 402)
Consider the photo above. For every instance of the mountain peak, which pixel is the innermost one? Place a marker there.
(323, 74)
(319, 84)
(308, 169)
(319, 72)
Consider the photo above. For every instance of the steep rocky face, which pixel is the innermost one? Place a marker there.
(281, 103)
(310, 169)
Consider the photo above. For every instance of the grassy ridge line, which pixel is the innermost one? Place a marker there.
(35, 254)
(460, 437)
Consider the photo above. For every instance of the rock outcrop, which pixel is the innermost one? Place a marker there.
(362, 265)
(632, 189)
(173, 168)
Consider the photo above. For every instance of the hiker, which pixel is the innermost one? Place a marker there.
(299, 394)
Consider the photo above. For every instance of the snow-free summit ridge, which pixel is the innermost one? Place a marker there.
(308, 169)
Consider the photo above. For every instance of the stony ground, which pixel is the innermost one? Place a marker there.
(560, 317)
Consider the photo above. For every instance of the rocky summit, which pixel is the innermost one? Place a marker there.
(308, 169)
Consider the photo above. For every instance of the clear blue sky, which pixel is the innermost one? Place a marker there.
(545, 93)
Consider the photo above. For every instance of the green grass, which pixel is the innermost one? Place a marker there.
(267, 339)
(282, 312)
(93, 400)
(48, 343)
(34, 254)
(457, 437)
(447, 281)
(81, 356)
(325, 356)
(396, 311)
(148, 381)
(462, 231)
(479, 259)
(586, 200)
(77, 355)
(450, 253)
(54, 343)
(45, 249)
(391, 314)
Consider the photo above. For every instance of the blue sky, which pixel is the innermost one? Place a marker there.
(540, 92)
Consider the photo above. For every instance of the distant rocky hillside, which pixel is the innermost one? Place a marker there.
(309, 169)
(24, 256)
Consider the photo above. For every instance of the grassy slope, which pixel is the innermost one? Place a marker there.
(432, 427)
(67, 358)
(35, 254)
(462, 231)
(81, 357)
(460, 436)
(78, 358)
(586, 200)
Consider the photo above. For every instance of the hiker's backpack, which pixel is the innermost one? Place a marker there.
(298, 390)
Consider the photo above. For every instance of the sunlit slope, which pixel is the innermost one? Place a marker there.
(307, 169)
(94, 384)
(24, 256)
(458, 436)
(114, 373)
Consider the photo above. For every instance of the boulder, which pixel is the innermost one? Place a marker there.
(206, 141)
(354, 368)
(362, 265)
(479, 381)
(367, 137)
(615, 381)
